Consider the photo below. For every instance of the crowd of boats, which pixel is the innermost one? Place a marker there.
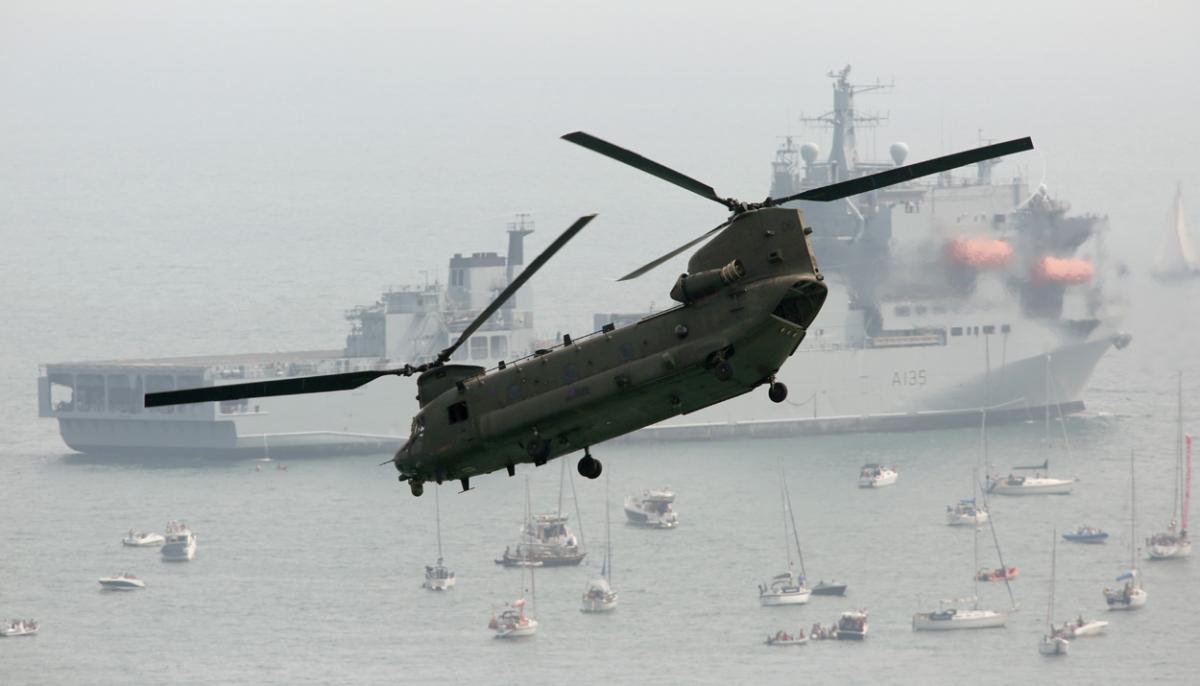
(176, 544)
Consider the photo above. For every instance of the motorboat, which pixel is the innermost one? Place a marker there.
(139, 539)
(1039, 484)
(180, 543)
(828, 588)
(852, 626)
(19, 627)
(122, 582)
(547, 542)
(652, 509)
(952, 618)
(438, 576)
(783, 589)
(966, 513)
(1079, 627)
(999, 574)
(877, 476)
(1054, 641)
(599, 595)
(1086, 534)
(512, 622)
(783, 638)
(1053, 645)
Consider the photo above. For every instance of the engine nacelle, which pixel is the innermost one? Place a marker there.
(691, 288)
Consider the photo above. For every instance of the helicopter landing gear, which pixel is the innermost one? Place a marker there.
(589, 466)
(777, 392)
(511, 469)
(538, 449)
(417, 487)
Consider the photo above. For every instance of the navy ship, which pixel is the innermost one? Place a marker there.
(949, 298)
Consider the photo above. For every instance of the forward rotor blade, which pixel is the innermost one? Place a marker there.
(645, 268)
(647, 165)
(864, 184)
(263, 389)
(516, 284)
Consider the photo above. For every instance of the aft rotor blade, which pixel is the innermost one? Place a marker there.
(262, 389)
(864, 184)
(647, 267)
(647, 165)
(516, 284)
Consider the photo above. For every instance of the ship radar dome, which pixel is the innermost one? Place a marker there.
(899, 152)
(809, 152)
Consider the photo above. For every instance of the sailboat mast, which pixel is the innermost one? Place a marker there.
(1046, 399)
(795, 532)
(1132, 515)
(787, 545)
(1175, 504)
(1053, 572)
(437, 508)
(975, 564)
(1187, 485)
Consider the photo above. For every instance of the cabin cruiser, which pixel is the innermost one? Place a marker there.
(1086, 534)
(783, 638)
(546, 541)
(138, 539)
(122, 582)
(877, 476)
(828, 588)
(966, 513)
(513, 622)
(652, 509)
(949, 617)
(438, 577)
(1019, 484)
(180, 544)
(19, 627)
(998, 574)
(1080, 627)
(852, 626)
(599, 596)
(783, 589)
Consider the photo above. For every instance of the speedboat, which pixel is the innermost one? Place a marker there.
(1053, 645)
(513, 622)
(1079, 627)
(877, 476)
(138, 539)
(1019, 484)
(19, 627)
(966, 513)
(783, 589)
(783, 638)
(852, 626)
(180, 544)
(599, 596)
(999, 574)
(122, 582)
(438, 577)
(830, 588)
(952, 618)
(652, 509)
(1086, 534)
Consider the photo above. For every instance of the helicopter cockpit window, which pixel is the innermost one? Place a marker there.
(418, 426)
(457, 412)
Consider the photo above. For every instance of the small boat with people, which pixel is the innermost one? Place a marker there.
(19, 627)
(180, 543)
(852, 626)
(1086, 534)
(652, 509)
(783, 638)
(877, 476)
(141, 539)
(122, 582)
(998, 574)
(823, 632)
(512, 622)
(546, 540)
(1080, 627)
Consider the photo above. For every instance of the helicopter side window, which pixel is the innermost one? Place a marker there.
(457, 412)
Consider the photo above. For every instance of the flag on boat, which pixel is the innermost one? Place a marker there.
(1127, 575)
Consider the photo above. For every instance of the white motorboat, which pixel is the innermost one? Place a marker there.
(783, 589)
(19, 627)
(1131, 595)
(512, 622)
(139, 539)
(1053, 645)
(546, 540)
(877, 476)
(852, 626)
(652, 509)
(953, 618)
(599, 596)
(1054, 641)
(1174, 542)
(438, 576)
(180, 543)
(122, 582)
(783, 639)
(1079, 627)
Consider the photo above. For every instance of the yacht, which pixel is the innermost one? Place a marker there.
(547, 542)
(1131, 595)
(599, 595)
(138, 539)
(967, 512)
(122, 582)
(1039, 484)
(1054, 641)
(438, 577)
(1086, 534)
(512, 622)
(783, 639)
(180, 544)
(852, 626)
(1174, 542)
(948, 617)
(877, 476)
(652, 509)
(783, 589)
(19, 627)
(1080, 627)
(1053, 644)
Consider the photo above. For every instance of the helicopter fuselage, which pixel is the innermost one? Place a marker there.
(747, 302)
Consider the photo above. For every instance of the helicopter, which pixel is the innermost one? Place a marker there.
(744, 306)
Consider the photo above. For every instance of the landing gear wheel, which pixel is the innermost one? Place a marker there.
(777, 392)
(538, 449)
(417, 487)
(590, 467)
(723, 370)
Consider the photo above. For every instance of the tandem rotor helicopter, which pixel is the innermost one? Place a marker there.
(745, 304)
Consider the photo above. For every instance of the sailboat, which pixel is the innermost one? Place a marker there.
(786, 588)
(1177, 258)
(1053, 641)
(1041, 483)
(599, 596)
(1131, 596)
(513, 622)
(437, 576)
(1174, 543)
(962, 613)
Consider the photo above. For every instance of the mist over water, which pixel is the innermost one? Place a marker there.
(225, 178)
